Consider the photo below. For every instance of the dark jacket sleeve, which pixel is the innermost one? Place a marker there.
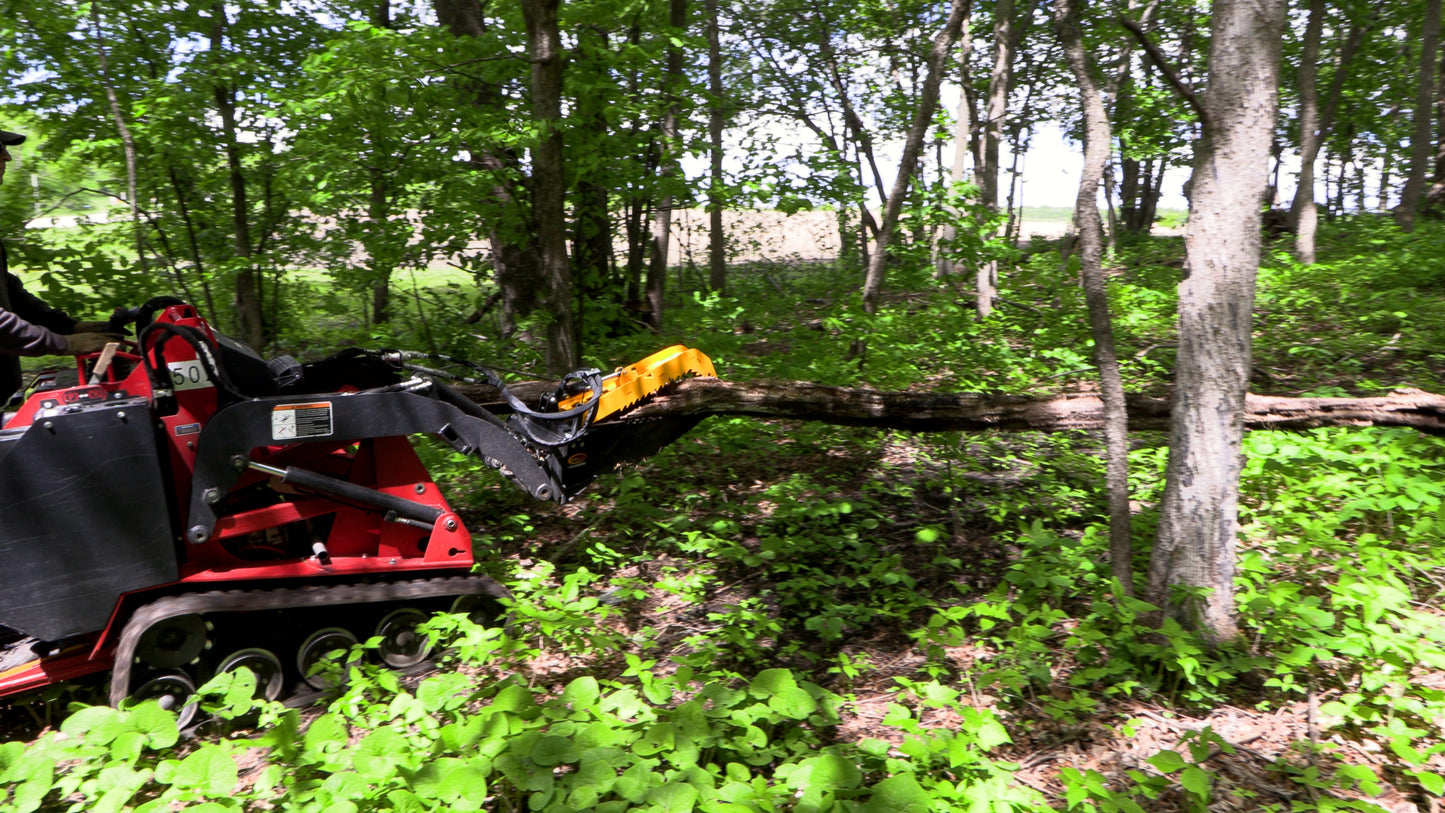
(29, 327)
(33, 309)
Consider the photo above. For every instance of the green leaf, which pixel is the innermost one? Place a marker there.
(1433, 783)
(582, 693)
(1196, 781)
(770, 682)
(673, 797)
(209, 769)
(793, 702)
(551, 749)
(1167, 761)
(825, 772)
(898, 794)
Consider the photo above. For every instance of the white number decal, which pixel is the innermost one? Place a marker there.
(188, 375)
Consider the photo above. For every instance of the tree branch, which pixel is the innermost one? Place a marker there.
(1161, 61)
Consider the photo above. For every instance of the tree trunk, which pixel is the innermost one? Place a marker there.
(716, 119)
(249, 319)
(1195, 546)
(1000, 78)
(1303, 216)
(127, 140)
(1421, 145)
(379, 212)
(922, 117)
(1435, 198)
(1315, 125)
(667, 140)
(972, 412)
(962, 137)
(549, 187)
(1097, 141)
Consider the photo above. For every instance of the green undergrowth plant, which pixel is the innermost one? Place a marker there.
(654, 740)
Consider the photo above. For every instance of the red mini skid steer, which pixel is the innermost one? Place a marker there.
(190, 508)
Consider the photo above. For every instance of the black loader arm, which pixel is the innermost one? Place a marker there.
(552, 451)
(224, 447)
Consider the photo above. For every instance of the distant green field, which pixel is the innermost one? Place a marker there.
(1062, 214)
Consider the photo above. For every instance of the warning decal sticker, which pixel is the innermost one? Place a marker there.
(301, 421)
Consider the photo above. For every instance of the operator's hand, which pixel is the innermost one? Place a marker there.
(92, 327)
(78, 344)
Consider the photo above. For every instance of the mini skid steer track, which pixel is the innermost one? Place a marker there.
(189, 508)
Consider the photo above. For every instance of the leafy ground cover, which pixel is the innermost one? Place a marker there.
(784, 616)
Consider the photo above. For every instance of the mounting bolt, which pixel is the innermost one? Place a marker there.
(239, 463)
(211, 496)
(199, 534)
(121, 416)
(450, 525)
(421, 488)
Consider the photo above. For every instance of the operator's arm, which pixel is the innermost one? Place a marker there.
(21, 338)
(34, 310)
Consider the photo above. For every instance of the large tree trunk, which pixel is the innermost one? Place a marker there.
(987, 166)
(1097, 141)
(549, 188)
(717, 277)
(1421, 145)
(922, 117)
(1195, 546)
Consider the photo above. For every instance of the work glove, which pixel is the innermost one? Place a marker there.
(79, 344)
(119, 322)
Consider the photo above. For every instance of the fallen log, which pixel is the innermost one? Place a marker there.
(971, 412)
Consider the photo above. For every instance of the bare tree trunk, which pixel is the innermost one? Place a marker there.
(248, 286)
(1421, 145)
(1435, 198)
(549, 190)
(1097, 141)
(378, 212)
(716, 119)
(1302, 213)
(1000, 78)
(1191, 572)
(667, 138)
(1315, 125)
(127, 140)
(922, 117)
(961, 139)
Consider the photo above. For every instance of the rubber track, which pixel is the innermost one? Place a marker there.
(228, 601)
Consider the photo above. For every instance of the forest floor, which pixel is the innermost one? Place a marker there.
(1256, 749)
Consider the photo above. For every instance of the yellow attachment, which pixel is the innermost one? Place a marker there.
(628, 385)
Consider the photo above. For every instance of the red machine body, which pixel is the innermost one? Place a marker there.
(189, 508)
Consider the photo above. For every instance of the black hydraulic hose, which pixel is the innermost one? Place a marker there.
(315, 481)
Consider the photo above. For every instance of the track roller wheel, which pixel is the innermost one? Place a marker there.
(270, 676)
(173, 642)
(174, 690)
(479, 609)
(328, 644)
(402, 646)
